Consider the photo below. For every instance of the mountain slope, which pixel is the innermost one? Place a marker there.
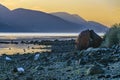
(97, 26)
(40, 21)
(77, 19)
(69, 17)
(3, 10)
(5, 27)
(25, 20)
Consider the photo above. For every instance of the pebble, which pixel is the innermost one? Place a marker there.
(36, 57)
(8, 58)
(95, 70)
(20, 69)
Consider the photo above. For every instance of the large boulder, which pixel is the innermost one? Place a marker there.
(83, 40)
(96, 39)
(88, 38)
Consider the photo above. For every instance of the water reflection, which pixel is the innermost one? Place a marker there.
(23, 48)
(12, 43)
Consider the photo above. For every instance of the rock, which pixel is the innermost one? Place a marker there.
(101, 76)
(116, 76)
(96, 39)
(105, 60)
(82, 61)
(7, 79)
(19, 70)
(95, 70)
(83, 40)
(108, 76)
(88, 38)
(8, 58)
(36, 57)
(15, 70)
(89, 49)
(72, 65)
(29, 78)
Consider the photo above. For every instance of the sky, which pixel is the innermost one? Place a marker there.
(106, 12)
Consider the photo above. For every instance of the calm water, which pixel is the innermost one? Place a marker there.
(30, 48)
(22, 48)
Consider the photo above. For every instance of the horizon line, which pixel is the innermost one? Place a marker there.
(42, 34)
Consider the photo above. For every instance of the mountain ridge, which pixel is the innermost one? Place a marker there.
(69, 17)
(26, 20)
(89, 24)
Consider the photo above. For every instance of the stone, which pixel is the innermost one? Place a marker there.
(19, 70)
(8, 58)
(116, 76)
(29, 78)
(7, 79)
(101, 76)
(96, 39)
(108, 76)
(95, 70)
(36, 57)
(83, 40)
(15, 70)
(82, 61)
(88, 38)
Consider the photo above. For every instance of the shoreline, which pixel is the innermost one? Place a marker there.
(92, 64)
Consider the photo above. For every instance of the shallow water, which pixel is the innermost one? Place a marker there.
(23, 48)
(31, 48)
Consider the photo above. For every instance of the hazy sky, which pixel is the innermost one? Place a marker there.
(104, 11)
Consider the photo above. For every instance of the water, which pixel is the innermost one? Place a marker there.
(30, 48)
(22, 48)
(39, 35)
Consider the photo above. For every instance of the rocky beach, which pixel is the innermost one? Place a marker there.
(60, 40)
(63, 63)
(89, 57)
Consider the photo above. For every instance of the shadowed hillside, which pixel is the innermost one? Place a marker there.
(25, 20)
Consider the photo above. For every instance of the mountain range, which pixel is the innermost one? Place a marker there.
(26, 20)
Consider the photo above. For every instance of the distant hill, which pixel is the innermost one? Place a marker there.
(25, 20)
(79, 20)
(97, 26)
(3, 10)
(70, 17)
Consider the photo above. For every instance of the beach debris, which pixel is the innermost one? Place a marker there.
(10, 48)
(7, 79)
(29, 78)
(20, 70)
(8, 58)
(24, 50)
(95, 70)
(15, 70)
(36, 57)
(88, 38)
(28, 47)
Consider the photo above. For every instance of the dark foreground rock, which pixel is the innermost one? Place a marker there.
(88, 38)
(90, 64)
(95, 70)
